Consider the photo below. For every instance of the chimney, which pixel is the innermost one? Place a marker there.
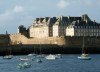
(47, 18)
(94, 22)
(85, 17)
(41, 19)
(69, 18)
(37, 19)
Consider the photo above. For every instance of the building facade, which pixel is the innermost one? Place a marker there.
(42, 27)
(64, 26)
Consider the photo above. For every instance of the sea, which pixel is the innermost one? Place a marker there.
(68, 63)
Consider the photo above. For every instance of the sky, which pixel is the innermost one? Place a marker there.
(22, 12)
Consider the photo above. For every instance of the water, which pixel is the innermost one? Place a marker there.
(68, 63)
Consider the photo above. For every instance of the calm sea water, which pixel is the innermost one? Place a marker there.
(68, 63)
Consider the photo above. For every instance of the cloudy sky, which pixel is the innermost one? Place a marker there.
(22, 12)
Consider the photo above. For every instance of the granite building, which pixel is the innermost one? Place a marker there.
(64, 26)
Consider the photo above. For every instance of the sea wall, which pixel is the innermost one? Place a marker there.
(21, 39)
(4, 40)
(18, 38)
(77, 41)
(74, 41)
(4, 43)
(19, 44)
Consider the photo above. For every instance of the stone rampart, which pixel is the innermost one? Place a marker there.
(4, 40)
(19, 44)
(21, 39)
(75, 41)
(18, 39)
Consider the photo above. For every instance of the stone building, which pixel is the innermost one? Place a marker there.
(83, 28)
(59, 28)
(76, 26)
(42, 27)
(64, 26)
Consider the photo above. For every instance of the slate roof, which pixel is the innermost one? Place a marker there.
(83, 20)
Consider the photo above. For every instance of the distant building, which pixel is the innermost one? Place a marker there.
(85, 27)
(64, 26)
(42, 27)
(59, 28)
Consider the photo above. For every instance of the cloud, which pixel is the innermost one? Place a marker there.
(88, 2)
(11, 17)
(63, 4)
(11, 14)
(18, 9)
(6, 16)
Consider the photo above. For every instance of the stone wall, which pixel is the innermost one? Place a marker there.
(47, 40)
(21, 44)
(18, 38)
(77, 41)
(68, 41)
(4, 40)
(21, 39)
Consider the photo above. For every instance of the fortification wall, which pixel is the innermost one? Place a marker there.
(47, 40)
(21, 39)
(75, 41)
(4, 40)
(21, 44)
(18, 38)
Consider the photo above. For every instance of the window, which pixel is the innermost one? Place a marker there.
(79, 34)
(91, 30)
(78, 26)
